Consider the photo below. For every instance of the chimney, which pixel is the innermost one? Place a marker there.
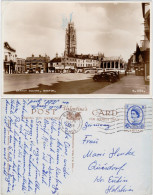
(56, 55)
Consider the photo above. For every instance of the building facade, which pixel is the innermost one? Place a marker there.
(145, 49)
(69, 63)
(20, 65)
(113, 63)
(56, 65)
(80, 63)
(87, 61)
(73, 64)
(130, 64)
(141, 56)
(37, 64)
(9, 59)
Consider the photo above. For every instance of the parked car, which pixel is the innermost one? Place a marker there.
(110, 76)
(111, 69)
(99, 71)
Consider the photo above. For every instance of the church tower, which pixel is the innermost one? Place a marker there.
(70, 40)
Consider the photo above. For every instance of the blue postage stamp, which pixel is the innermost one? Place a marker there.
(134, 116)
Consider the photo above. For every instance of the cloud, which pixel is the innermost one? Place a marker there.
(91, 19)
(37, 27)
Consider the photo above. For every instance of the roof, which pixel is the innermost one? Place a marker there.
(111, 58)
(72, 56)
(146, 55)
(144, 8)
(7, 46)
(147, 15)
(87, 56)
(37, 59)
(20, 58)
(56, 60)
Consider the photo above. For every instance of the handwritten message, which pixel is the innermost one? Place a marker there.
(108, 166)
(37, 154)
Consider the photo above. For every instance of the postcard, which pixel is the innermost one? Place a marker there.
(76, 146)
(94, 48)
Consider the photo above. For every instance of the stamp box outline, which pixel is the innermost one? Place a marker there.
(128, 125)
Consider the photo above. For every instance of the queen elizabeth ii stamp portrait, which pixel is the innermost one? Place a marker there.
(134, 116)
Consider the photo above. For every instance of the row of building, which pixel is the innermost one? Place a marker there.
(13, 64)
(66, 63)
(80, 63)
(139, 61)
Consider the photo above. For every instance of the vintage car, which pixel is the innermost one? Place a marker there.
(110, 76)
(121, 71)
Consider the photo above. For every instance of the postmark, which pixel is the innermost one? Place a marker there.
(71, 122)
(134, 117)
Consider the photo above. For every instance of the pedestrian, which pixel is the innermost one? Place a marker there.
(118, 74)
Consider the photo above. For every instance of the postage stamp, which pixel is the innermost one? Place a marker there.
(71, 122)
(134, 116)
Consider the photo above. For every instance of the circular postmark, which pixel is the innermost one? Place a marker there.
(71, 122)
(135, 115)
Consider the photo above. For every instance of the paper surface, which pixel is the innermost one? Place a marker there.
(77, 146)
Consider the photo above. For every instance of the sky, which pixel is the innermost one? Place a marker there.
(39, 27)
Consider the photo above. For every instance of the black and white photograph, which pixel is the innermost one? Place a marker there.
(76, 47)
